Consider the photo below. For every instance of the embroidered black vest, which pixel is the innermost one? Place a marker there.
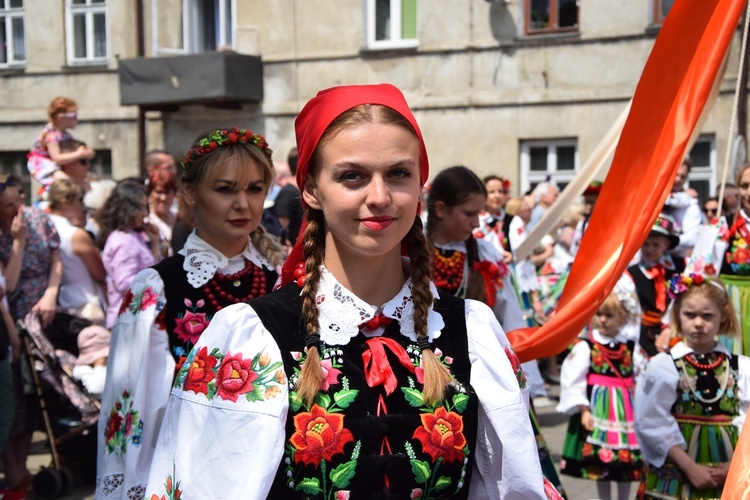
(716, 389)
(644, 287)
(603, 356)
(364, 441)
(188, 312)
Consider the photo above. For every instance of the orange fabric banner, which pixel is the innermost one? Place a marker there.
(668, 101)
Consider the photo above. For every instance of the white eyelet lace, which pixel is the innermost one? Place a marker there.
(202, 260)
(341, 312)
(107, 485)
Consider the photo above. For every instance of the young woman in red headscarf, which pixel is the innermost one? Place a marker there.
(358, 379)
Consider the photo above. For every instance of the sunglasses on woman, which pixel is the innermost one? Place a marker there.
(11, 181)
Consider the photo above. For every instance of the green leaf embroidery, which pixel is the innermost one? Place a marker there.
(345, 398)
(323, 400)
(460, 401)
(295, 402)
(309, 485)
(442, 483)
(343, 474)
(421, 470)
(413, 397)
(256, 394)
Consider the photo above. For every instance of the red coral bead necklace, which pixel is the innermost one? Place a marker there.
(219, 298)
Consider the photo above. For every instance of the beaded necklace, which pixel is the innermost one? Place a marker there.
(215, 292)
(692, 360)
(610, 353)
(450, 272)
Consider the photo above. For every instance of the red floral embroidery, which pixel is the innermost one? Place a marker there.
(161, 320)
(442, 435)
(588, 450)
(190, 327)
(624, 456)
(606, 455)
(200, 372)
(319, 435)
(148, 298)
(235, 377)
(113, 425)
(126, 301)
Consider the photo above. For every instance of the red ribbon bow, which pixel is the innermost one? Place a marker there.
(377, 367)
(658, 276)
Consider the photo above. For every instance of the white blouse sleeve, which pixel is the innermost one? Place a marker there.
(573, 379)
(655, 426)
(743, 390)
(507, 464)
(139, 375)
(223, 431)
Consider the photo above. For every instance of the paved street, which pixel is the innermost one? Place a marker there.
(553, 427)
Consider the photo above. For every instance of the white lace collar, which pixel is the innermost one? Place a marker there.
(456, 246)
(341, 312)
(202, 260)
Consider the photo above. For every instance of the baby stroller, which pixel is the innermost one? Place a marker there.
(70, 413)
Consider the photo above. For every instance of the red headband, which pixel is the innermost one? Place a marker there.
(316, 117)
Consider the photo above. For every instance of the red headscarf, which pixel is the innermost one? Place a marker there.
(315, 118)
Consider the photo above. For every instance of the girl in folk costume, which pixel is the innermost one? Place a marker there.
(595, 388)
(472, 268)
(735, 268)
(691, 402)
(493, 221)
(357, 380)
(226, 176)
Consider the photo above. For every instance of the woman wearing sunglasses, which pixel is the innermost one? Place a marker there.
(33, 271)
(46, 157)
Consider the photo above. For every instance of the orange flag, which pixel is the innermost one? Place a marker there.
(668, 101)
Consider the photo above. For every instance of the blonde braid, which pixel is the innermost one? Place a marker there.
(436, 375)
(267, 246)
(311, 375)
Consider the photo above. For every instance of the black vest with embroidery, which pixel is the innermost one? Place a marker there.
(707, 390)
(188, 311)
(646, 291)
(603, 357)
(357, 441)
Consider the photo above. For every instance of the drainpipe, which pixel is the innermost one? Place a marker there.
(141, 120)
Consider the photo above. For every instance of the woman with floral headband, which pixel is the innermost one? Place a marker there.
(226, 176)
(357, 379)
(690, 403)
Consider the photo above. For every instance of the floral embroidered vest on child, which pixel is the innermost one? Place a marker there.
(189, 310)
(737, 257)
(706, 391)
(368, 434)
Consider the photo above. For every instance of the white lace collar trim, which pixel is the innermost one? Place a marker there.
(456, 246)
(202, 261)
(341, 312)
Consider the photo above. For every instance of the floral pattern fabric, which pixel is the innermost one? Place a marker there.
(42, 241)
(320, 436)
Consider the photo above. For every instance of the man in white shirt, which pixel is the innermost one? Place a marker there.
(685, 211)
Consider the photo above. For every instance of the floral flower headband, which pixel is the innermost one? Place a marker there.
(680, 283)
(218, 138)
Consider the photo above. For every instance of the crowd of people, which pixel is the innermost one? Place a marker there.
(380, 364)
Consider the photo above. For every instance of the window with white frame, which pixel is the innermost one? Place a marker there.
(12, 35)
(86, 33)
(702, 175)
(198, 26)
(391, 24)
(550, 16)
(553, 159)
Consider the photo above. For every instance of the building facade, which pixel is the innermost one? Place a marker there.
(520, 88)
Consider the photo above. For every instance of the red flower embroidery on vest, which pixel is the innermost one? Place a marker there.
(200, 372)
(235, 377)
(442, 435)
(319, 435)
(190, 327)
